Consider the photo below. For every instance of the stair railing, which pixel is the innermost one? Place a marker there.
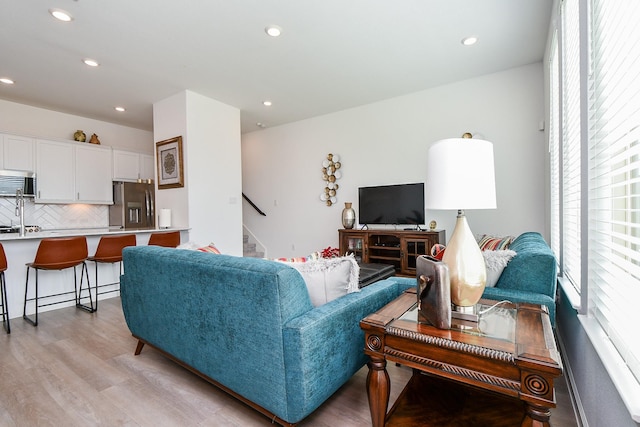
(253, 205)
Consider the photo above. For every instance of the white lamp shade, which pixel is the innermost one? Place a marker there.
(460, 175)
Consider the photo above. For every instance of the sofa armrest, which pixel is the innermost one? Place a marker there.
(533, 269)
(324, 347)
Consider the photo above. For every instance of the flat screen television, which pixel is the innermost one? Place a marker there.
(391, 204)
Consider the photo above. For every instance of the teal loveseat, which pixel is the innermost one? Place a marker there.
(248, 326)
(530, 276)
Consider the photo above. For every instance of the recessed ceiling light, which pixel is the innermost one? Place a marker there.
(267, 103)
(120, 109)
(6, 81)
(90, 62)
(273, 30)
(61, 15)
(469, 41)
(261, 125)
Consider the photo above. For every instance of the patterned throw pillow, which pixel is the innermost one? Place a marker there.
(294, 259)
(210, 248)
(493, 243)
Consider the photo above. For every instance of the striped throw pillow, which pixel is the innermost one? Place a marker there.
(493, 243)
(210, 248)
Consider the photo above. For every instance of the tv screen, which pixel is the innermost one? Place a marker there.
(391, 204)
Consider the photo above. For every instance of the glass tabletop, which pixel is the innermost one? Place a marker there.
(496, 321)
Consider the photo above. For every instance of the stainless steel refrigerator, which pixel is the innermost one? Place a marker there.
(133, 206)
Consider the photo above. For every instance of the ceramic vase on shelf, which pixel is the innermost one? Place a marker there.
(348, 216)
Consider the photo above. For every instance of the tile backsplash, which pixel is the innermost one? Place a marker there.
(54, 216)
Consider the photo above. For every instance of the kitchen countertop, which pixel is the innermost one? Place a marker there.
(67, 232)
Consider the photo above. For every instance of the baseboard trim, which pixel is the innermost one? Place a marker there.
(578, 408)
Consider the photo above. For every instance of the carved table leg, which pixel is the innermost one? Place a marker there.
(378, 387)
(537, 416)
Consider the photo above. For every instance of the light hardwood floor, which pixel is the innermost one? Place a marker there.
(78, 369)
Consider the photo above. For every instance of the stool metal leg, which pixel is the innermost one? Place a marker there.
(96, 286)
(5, 307)
(26, 290)
(84, 271)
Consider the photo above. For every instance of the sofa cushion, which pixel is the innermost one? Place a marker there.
(329, 278)
(496, 261)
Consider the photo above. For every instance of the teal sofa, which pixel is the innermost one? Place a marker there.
(248, 326)
(530, 276)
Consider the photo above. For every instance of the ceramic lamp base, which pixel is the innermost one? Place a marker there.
(467, 269)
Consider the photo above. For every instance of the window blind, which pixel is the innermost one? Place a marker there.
(614, 175)
(554, 146)
(571, 135)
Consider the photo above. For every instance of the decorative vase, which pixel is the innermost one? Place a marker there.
(348, 216)
(79, 136)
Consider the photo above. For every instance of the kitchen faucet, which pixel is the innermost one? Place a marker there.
(20, 209)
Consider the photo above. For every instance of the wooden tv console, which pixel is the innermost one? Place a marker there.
(399, 248)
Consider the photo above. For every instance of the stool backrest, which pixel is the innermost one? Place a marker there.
(110, 247)
(3, 259)
(169, 240)
(61, 252)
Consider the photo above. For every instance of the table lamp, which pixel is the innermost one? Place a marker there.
(460, 175)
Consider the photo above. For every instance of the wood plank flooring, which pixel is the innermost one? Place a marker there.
(78, 369)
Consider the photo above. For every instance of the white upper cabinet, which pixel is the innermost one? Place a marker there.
(125, 165)
(17, 153)
(55, 172)
(131, 166)
(73, 173)
(93, 174)
(147, 167)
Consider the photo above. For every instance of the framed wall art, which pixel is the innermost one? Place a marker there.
(170, 164)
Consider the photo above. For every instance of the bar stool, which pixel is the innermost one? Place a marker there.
(59, 254)
(3, 291)
(170, 239)
(109, 251)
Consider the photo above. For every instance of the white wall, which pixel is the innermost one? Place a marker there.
(210, 202)
(169, 121)
(215, 177)
(25, 120)
(386, 143)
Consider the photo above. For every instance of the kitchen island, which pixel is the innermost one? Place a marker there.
(22, 249)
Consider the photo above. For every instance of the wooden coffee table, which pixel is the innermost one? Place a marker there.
(511, 352)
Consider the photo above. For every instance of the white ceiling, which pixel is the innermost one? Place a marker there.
(332, 54)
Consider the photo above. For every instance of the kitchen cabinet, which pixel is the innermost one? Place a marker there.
(93, 174)
(55, 172)
(17, 153)
(147, 167)
(73, 173)
(131, 166)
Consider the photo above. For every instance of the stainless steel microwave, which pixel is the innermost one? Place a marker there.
(11, 181)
